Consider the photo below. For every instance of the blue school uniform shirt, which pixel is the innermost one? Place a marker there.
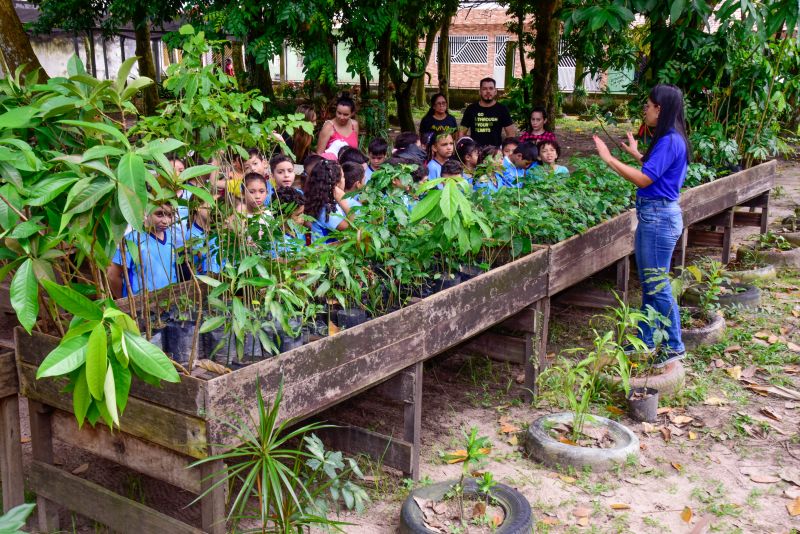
(205, 254)
(287, 245)
(434, 169)
(155, 260)
(666, 166)
(322, 227)
(368, 173)
(512, 175)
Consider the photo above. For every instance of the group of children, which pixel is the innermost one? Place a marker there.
(320, 200)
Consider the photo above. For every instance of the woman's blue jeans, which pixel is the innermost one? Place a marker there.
(660, 227)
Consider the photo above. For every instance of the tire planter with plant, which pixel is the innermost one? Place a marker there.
(709, 333)
(751, 275)
(518, 514)
(668, 380)
(779, 258)
(544, 448)
(735, 294)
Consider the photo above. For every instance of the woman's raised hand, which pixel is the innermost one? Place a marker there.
(632, 147)
(602, 148)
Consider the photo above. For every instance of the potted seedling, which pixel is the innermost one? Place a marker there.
(467, 504)
(178, 335)
(749, 267)
(577, 438)
(774, 249)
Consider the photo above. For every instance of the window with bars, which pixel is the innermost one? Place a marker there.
(467, 49)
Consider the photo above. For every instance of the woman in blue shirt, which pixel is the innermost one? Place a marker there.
(660, 225)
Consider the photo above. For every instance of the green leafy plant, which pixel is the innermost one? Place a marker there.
(100, 352)
(14, 520)
(293, 484)
(476, 448)
(773, 241)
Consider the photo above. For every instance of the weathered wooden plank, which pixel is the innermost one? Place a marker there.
(581, 256)
(412, 420)
(456, 315)
(212, 506)
(129, 451)
(393, 452)
(13, 481)
(497, 346)
(174, 430)
(744, 218)
(399, 388)
(188, 396)
(701, 202)
(586, 297)
(705, 238)
(9, 383)
(104, 506)
(42, 449)
(524, 321)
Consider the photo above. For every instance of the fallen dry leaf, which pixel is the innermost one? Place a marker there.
(80, 469)
(648, 428)
(772, 339)
(456, 456)
(615, 410)
(582, 511)
(719, 362)
(620, 506)
(513, 440)
(687, 514)
(567, 441)
(794, 347)
(663, 410)
(567, 479)
(715, 401)
(681, 420)
(762, 335)
(26, 439)
(479, 509)
(793, 507)
(550, 521)
(749, 372)
(734, 372)
(769, 412)
(792, 493)
(678, 467)
(732, 348)
(508, 428)
(212, 367)
(666, 433)
(794, 478)
(583, 521)
(760, 343)
(692, 435)
(764, 479)
(497, 520)
(796, 313)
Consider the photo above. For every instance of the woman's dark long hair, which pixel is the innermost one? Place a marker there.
(434, 98)
(670, 99)
(318, 189)
(301, 141)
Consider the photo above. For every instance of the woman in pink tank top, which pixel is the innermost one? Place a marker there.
(342, 128)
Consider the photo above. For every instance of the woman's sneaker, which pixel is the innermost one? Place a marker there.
(666, 355)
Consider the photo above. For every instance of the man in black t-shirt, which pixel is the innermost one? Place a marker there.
(487, 120)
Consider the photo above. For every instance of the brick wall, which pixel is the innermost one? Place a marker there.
(488, 22)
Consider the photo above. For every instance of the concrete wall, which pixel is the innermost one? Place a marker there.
(55, 50)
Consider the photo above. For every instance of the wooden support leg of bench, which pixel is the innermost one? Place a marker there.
(623, 277)
(679, 255)
(42, 447)
(212, 506)
(412, 419)
(11, 462)
(537, 361)
(726, 243)
(765, 213)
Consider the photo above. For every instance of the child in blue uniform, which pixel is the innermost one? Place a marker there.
(149, 257)
(325, 202)
(439, 150)
(377, 150)
(204, 248)
(549, 152)
(516, 166)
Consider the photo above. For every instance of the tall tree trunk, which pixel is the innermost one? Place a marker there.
(520, 14)
(364, 83)
(237, 49)
(545, 72)
(402, 95)
(511, 47)
(90, 52)
(578, 82)
(419, 83)
(443, 56)
(262, 79)
(384, 58)
(15, 47)
(147, 66)
(282, 68)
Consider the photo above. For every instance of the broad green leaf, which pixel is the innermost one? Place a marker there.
(17, 117)
(81, 398)
(200, 193)
(134, 86)
(212, 324)
(47, 190)
(25, 295)
(65, 358)
(448, 202)
(72, 301)
(101, 151)
(110, 395)
(97, 361)
(122, 384)
(676, 10)
(75, 65)
(161, 146)
(425, 205)
(86, 195)
(122, 73)
(213, 282)
(149, 358)
(197, 170)
(100, 127)
(131, 206)
(26, 229)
